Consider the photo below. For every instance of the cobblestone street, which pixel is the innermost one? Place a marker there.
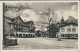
(44, 43)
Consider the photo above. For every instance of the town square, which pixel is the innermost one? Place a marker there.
(43, 43)
(40, 25)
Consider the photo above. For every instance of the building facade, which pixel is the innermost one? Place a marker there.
(68, 28)
(18, 28)
(69, 31)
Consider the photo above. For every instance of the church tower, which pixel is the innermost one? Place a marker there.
(62, 19)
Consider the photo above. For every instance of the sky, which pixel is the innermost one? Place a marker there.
(61, 8)
(64, 9)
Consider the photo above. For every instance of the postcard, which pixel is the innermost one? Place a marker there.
(39, 26)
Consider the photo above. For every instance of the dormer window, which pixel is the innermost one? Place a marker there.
(68, 29)
(73, 29)
(62, 29)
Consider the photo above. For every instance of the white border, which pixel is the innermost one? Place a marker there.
(1, 28)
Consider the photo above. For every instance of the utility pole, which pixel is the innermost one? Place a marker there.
(4, 37)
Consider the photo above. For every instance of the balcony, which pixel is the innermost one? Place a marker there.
(18, 27)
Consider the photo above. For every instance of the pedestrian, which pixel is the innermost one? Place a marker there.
(59, 36)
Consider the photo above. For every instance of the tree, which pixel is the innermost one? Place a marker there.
(49, 15)
(54, 28)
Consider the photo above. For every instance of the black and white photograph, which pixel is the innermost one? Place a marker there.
(40, 25)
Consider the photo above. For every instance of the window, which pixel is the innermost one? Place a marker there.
(15, 30)
(73, 29)
(17, 35)
(76, 35)
(6, 7)
(21, 26)
(18, 26)
(66, 35)
(68, 29)
(11, 25)
(62, 35)
(73, 34)
(62, 29)
(18, 21)
(11, 31)
(15, 25)
(23, 34)
(20, 35)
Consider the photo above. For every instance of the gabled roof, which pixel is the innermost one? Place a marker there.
(8, 18)
(28, 22)
(70, 21)
(12, 19)
(68, 24)
(18, 17)
(23, 23)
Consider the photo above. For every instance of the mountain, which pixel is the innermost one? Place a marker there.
(72, 20)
